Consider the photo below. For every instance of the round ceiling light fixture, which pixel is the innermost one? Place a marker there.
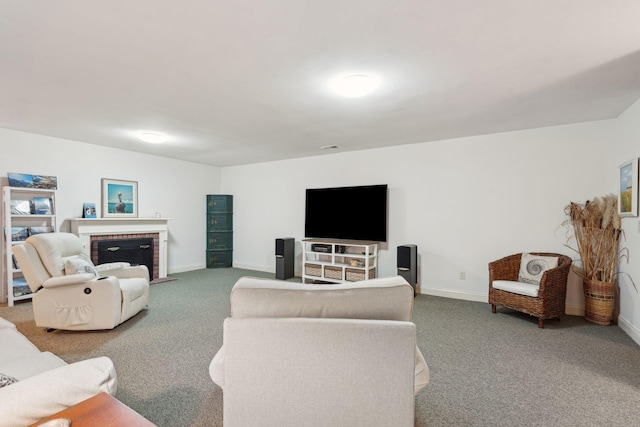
(153, 137)
(355, 85)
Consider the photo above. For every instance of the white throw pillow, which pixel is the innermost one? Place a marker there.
(532, 267)
(6, 380)
(78, 265)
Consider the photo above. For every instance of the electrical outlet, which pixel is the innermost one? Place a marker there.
(462, 275)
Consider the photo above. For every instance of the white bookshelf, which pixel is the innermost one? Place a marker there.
(18, 224)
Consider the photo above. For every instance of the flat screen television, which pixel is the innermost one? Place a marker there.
(350, 213)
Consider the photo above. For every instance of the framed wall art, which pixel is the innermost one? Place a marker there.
(628, 188)
(119, 198)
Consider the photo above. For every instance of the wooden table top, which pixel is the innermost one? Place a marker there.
(100, 410)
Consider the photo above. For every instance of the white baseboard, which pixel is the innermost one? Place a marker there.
(571, 310)
(184, 268)
(630, 330)
(467, 296)
(253, 267)
(191, 267)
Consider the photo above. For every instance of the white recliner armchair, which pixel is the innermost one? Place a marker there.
(320, 355)
(71, 293)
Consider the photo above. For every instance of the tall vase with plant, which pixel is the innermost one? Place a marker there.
(596, 226)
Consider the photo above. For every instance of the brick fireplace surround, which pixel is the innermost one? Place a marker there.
(90, 229)
(156, 248)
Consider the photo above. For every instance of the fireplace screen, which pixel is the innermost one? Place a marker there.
(133, 251)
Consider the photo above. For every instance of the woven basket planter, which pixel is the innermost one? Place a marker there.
(599, 299)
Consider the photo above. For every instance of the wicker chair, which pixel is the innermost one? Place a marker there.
(549, 304)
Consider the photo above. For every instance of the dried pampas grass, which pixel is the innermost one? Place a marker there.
(596, 227)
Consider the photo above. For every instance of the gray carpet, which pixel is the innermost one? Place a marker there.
(486, 369)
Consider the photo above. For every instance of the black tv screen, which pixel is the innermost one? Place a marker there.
(350, 213)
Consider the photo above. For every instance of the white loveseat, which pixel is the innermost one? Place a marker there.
(45, 383)
(320, 355)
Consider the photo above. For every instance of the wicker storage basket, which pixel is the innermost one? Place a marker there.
(354, 275)
(313, 270)
(333, 272)
(598, 301)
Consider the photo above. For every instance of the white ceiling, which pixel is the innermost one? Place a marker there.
(245, 81)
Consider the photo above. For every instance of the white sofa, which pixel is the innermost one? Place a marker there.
(320, 355)
(45, 383)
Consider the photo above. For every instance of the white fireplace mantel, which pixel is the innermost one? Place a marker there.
(84, 228)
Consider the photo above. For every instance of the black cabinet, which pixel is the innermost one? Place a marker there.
(219, 230)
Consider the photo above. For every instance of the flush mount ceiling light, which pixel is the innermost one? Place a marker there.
(355, 85)
(153, 137)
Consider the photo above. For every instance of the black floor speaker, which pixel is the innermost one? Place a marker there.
(408, 264)
(284, 257)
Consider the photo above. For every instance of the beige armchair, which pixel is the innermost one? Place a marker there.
(320, 355)
(71, 293)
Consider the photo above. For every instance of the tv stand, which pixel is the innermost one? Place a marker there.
(338, 261)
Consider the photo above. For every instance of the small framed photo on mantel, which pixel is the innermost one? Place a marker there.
(89, 210)
(119, 198)
(628, 189)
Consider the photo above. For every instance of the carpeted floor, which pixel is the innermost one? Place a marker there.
(486, 369)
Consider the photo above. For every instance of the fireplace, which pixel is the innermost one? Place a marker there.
(127, 248)
(92, 231)
(136, 251)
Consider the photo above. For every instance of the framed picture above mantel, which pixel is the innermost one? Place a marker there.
(119, 198)
(628, 189)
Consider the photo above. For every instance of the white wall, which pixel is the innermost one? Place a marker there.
(175, 188)
(627, 139)
(464, 202)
